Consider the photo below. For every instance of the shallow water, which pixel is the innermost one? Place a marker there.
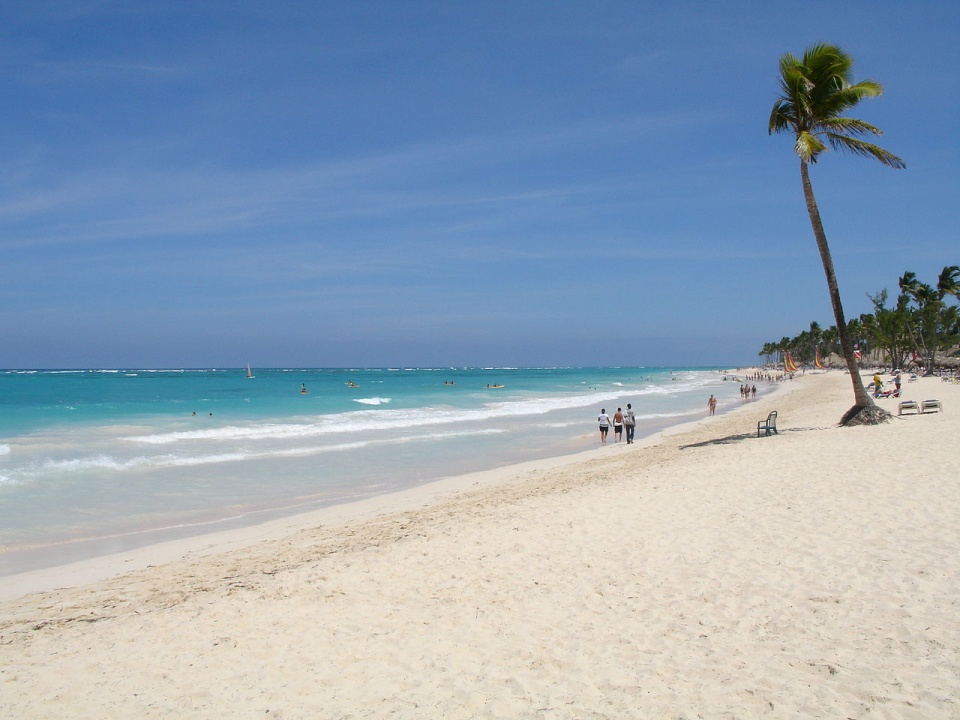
(100, 461)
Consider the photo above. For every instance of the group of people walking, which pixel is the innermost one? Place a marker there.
(627, 420)
(619, 421)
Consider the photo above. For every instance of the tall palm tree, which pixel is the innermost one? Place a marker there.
(815, 91)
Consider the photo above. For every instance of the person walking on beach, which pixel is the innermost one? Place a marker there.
(630, 423)
(604, 421)
(712, 404)
(618, 425)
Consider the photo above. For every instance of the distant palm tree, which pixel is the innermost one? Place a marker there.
(816, 337)
(933, 318)
(815, 90)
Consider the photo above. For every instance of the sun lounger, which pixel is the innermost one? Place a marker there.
(907, 406)
(931, 405)
(769, 426)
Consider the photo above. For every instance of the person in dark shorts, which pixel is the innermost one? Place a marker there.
(604, 421)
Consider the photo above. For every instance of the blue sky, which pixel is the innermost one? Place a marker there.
(205, 184)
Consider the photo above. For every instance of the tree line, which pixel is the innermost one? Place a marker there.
(922, 320)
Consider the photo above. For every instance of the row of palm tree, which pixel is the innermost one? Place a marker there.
(924, 320)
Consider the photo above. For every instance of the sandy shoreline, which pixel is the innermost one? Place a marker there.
(710, 573)
(103, 566)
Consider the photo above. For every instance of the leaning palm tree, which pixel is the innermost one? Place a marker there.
(815, 91)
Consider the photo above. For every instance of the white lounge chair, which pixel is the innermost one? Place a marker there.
(931, 405)
(907, 406)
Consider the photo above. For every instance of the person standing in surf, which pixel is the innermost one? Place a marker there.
(618, 425)
(630, 423)
(604, 421)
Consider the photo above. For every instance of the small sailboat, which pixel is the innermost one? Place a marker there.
(249, 374)
(789, 363)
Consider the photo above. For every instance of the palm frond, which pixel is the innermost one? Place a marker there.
(848, 96)
(788, 64)
(865, 89)
(848, 126)
(949, 281)
(824, 60)
(809, 146)
(908, 282)
(781, 117)
(845, 143)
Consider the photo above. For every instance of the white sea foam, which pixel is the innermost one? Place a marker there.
(4, 450)
(101, 463)
(372, 401)
(111, 463)
(378, 420)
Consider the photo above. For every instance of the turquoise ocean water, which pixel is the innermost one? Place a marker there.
(98, 461)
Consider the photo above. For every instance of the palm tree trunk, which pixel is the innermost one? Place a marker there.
(861, 398)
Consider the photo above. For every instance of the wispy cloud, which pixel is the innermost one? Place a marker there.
(123, 201)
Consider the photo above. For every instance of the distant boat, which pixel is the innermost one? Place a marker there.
(249, 374)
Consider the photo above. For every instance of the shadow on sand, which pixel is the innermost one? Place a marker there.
(730, 439)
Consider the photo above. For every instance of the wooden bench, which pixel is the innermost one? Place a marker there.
(769, 426)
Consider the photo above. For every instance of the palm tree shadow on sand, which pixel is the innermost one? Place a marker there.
(730, 439)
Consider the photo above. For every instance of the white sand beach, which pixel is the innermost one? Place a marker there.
(706, 573)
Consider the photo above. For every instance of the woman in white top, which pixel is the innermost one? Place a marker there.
(604, 421)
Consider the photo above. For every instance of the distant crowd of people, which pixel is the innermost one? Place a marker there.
(759, 376)
(768, 377)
